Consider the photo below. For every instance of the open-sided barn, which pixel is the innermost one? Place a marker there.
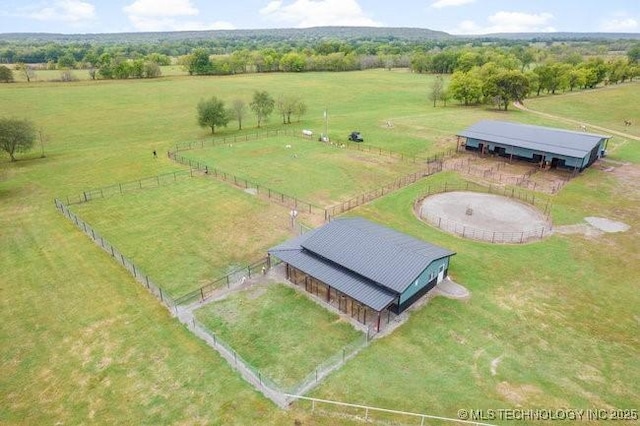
(363, 268)
(546, 146)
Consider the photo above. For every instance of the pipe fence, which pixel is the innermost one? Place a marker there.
(467, 231)
(401, 182)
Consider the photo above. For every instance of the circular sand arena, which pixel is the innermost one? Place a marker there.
(486, 217)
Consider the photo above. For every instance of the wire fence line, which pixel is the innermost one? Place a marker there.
(134, 185)
(474, 233)
(226, 140)
(277, 393)
(432, 168)
(255, 188)
(370, 414)
(177, 307)
(338, 143)
(136, 271)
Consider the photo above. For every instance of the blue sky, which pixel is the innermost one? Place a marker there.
(452, 16)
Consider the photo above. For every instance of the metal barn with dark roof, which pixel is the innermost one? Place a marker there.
(543, 145)
(362, 267)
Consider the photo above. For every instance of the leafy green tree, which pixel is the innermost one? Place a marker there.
(634, 54)
(201, 63)
(16, 136)
(507, 86)
(152, 69)
(576, 78)
(6, 74)
(67, 61)
(212, 113)
(466, 87)
(262, 106)
(292, 62)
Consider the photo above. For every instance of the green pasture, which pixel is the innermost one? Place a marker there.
(607, 107)
(556, 320)
(186, 234)
(82, 342)
(278, 330)
(315, 172)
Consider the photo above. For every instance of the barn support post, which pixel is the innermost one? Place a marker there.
(378, 323)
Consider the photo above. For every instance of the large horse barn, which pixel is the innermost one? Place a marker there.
(549, 147)
(364, 269)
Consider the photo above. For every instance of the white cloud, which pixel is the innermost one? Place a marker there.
(142, 8)
(315, 13)
(166, 15)
(172, 24)
(620, 24)
(72, 11)
(508, 22)
(449, 3)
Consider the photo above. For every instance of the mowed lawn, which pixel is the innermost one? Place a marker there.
(186, 234)
(279, 331)
(313, 171)
(549, 324)
(82, 342)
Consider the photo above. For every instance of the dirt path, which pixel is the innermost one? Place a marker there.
(577, 122)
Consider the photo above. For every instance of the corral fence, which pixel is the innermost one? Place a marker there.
(401, 182)
(370, 414)
(226, 140)
(495, 172)
(226, 282)
(252, 187)
(251, 374)
(276, 392)
(134, 185)
(471, 232)
(338, 143)
(136, 271)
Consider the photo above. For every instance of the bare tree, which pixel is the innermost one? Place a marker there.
(436, 90)
(238, 111)
(26, 71)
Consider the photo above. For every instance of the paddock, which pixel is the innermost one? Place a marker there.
(487, 217)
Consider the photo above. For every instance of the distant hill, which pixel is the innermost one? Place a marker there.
(314, 33)
(561, 36)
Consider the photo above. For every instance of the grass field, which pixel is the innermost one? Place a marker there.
(185, 235)
(315, 172)
(278, 330)
(559, 317)
(81, 342)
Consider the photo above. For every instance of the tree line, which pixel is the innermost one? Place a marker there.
(214, 113)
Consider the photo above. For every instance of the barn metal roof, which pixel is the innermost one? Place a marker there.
(367, 261)
(536, 138)
(345, 281)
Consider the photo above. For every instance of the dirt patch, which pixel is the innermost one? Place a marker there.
(485, 217)
(518, 395)
(607, 225)
(593, 227)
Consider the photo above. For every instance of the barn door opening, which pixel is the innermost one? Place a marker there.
(441, 273)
